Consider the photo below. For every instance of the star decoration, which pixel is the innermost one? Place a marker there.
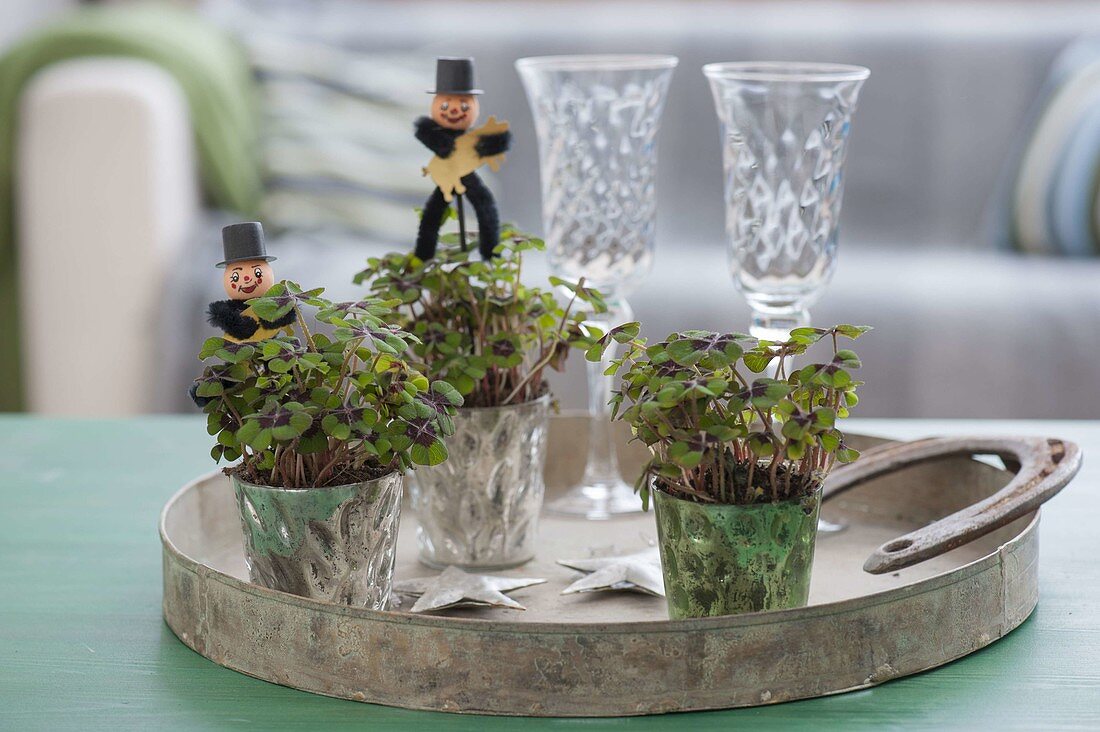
(640, 572)
(453, 587)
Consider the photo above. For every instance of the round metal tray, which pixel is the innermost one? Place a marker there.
(608, 654)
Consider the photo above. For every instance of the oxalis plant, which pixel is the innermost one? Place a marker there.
(477, 326)
(720, 433)
(323, 408)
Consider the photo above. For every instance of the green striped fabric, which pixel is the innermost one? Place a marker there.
(215, 78)
(337, 148)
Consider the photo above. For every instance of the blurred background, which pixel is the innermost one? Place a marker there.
(131, 131)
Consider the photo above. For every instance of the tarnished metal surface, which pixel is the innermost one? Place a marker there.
(1044, 467)
(480, 508)
(723, 559)
(615, 653)
(334, 544)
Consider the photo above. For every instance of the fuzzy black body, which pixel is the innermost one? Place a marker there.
(441, 141)
(435, 137)
(237, 322)
(230, 317)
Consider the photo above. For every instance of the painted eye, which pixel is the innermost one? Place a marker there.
(465, 107)
(258, 272)
(445, 106)
(234, 277)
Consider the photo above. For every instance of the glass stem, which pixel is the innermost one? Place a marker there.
(777, 326)
(602, 467)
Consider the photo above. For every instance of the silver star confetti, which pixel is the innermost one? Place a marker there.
(453, 587)
(640, 572)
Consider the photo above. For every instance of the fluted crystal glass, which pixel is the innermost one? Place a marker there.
(597, 119)
(785, 132)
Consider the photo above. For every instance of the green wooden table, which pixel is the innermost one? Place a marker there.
(83, 645)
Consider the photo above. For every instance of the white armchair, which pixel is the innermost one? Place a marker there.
(106, 198)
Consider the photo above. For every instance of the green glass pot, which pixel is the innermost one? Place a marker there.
(335, 544)
(725, 559)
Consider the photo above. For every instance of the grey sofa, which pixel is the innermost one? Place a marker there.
(963, 328)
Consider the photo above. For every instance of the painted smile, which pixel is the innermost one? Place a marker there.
(248, 289)
(453, 118)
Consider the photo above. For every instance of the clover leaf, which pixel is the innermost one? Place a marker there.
(319, 408)
(728, 419)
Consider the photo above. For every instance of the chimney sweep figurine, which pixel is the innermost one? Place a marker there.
(247, 275)
(459, 151)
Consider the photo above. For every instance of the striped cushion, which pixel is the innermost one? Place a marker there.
(338, 150)
(1050, 204)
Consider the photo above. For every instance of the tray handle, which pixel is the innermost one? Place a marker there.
(1046, 465)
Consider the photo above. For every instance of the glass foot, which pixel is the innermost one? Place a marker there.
(828, 527)
(597, 502)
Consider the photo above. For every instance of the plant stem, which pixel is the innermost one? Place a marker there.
(275, 463)
(547, 355)
(232, 409)
(339, 452)
(305, 329)
(752, 468)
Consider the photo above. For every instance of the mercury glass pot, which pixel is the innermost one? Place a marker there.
(720, 559)
(479, 509)
(335, 544)
(597, 119)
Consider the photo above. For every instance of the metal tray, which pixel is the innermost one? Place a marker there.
(608, 654)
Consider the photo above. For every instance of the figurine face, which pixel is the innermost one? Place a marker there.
(248, 279)
(455, 111)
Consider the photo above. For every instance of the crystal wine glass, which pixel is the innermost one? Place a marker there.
(597, 119)
(785, 131)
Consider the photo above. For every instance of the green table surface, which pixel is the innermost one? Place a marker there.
(83, 644)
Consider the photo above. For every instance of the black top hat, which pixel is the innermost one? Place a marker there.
(243, 242)
(454, 76)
